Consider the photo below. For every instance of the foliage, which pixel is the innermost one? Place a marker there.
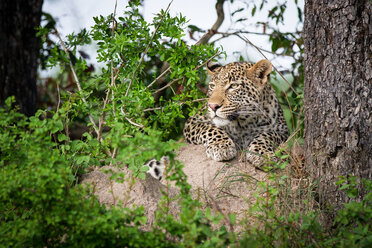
(131, 114)
(286, 222)
(42, 206)
(41, 202)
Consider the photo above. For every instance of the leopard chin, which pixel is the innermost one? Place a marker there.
(220, 122)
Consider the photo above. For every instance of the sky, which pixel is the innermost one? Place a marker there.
(73, 15)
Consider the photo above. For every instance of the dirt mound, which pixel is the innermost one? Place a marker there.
(225, 187)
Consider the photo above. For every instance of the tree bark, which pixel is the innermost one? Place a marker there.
(19, 49)
(338, 93)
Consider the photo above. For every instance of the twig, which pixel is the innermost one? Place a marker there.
(259, 50)
(156, 79)
(178, 79)
(103, 115)
(112, 63)
(152, 109)
(168, 84)
(113, 154)
(76, 79)
(59, 97)
(66, 122)
(181, 103)
(224, 35)
(147, 48)
(196, 100)
(208, 60)
(129, 120)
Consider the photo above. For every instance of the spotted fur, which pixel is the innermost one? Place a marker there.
(243, 114)
(156, 168)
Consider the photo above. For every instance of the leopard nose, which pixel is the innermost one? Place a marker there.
(214, 106)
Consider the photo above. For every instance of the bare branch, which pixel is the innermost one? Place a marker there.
(178, 79)
(208, 60)
(224, 35)
(59, 97)
(168, 84)
(160, 76)
(129, 120)
(152, 109)
(220, 17)
(112, 62)
(181, 103)
(147, 48)
(76, 78)
(260, 51)
(103, 115)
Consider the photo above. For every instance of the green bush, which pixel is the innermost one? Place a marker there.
(131, 120)
(40, 204)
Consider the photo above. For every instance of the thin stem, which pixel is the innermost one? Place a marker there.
(160, 76)
(130, 121)
(168, 85)
(208, 60)
(237, 33)
(102, 118)
(59, 97)
(178, 79)
(259, 50)
(181, 103)
(113, 78)
(147, 48)
(103, 115)
(76, 79)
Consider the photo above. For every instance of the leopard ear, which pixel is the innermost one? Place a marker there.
(260, 71)
(212, 68)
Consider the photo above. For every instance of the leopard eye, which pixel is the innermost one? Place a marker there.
(212, 86)
(233, 86)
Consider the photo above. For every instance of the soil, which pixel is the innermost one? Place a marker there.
(225, 187)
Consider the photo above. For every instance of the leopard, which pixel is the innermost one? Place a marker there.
(243, 114)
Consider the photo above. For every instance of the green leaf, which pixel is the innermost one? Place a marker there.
(58, 126)
(62, 137)
(232, 219)
(142, 175)
(254, 10)
(81, 159)
(237, 11)
(195, 28)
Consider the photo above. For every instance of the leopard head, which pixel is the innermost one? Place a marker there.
(234, 90)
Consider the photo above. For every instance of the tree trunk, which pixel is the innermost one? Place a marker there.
(338, 93)
(19, 49)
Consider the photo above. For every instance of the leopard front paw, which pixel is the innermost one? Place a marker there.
(221, 152)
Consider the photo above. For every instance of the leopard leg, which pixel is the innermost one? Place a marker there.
(262, 148)
(219, 146)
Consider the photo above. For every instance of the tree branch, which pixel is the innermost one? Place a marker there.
(129, 120)
(181, 103)
(147, 48)
(220, 17)
(76, 78)
(160, 76)
(259, 50)
(178, 79)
